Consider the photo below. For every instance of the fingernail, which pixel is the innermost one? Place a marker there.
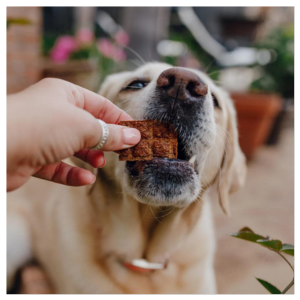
(90, 178)
(131, 136)
(101, 162)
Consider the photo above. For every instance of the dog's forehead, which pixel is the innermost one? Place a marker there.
(151, 70)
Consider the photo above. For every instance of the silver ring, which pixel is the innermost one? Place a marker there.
(105, 134)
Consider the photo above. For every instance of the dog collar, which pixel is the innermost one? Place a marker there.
(143, 266)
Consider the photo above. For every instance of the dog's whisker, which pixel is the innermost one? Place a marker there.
(153, 214)
(199, 200)
(218, 82)
(222, 128)
(168, 213)
(208, 67)
(137, 55)
(220, 138)
(214, 72)
(136, 62)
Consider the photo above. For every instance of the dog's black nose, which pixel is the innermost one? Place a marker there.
(181, 84)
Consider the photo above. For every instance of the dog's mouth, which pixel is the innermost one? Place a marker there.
(164, 181)
(136, 168)
(183, 155)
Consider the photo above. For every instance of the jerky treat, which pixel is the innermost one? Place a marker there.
(163, 130)
(157, 140)
(161, 148)
(143, 149)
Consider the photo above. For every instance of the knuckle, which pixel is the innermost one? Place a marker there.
(115, 140)
(48, 80)
(77, 94)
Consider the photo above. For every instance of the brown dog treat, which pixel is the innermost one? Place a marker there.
(157, 140)
(163, 130)
(142, 149)
(125, 153)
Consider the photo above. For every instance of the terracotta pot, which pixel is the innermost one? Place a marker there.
(256, 113)
(84, 72)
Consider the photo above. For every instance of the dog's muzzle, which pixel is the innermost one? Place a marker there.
(180, 86)
(181, 99)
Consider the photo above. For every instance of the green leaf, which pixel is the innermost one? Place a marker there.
(270, 287)
(288, 249)
(246, 229)
(272, 244)
(247, 234)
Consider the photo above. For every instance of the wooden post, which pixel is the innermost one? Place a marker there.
(146, 26)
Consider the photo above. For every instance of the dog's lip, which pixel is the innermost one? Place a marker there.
(140, 165)
(171, 159)
(177, 160)
(180, 161)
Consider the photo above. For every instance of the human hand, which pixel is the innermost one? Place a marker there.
(54, 119)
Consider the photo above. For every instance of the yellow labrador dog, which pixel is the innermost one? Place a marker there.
(143, 227)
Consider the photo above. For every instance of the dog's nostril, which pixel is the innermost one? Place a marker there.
(197, 88)
(165, 81)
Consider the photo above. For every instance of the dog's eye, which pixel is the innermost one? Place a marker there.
(135, 85)
(215, 100)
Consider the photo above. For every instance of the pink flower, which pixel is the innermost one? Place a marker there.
(105, 47)
(85, 36)
(62, 49)
(59, 56)
(66, 42)
(118, 54)
(122, 38)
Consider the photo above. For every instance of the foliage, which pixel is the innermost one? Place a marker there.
(271, 288)
(278, 76)
(274, 245)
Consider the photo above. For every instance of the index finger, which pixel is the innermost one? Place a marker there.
(101, 108)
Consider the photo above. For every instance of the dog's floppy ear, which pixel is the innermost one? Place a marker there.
(233, 171)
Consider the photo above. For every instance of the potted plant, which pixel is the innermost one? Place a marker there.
(278, 76)
(261, 111)
(256, 113)
(84, 60)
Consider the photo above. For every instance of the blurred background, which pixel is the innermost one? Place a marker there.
(247, 50)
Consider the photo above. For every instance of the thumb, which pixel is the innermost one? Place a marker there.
(119, 137)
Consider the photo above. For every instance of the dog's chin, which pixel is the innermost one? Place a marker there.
(163, 182)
